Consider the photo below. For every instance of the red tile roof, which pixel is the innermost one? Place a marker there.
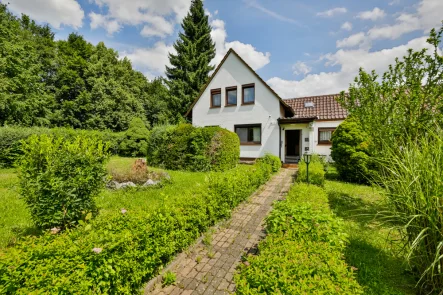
(326, 107)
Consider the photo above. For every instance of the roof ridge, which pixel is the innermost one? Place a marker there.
(314, 96)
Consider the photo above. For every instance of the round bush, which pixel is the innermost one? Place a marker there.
(185, 147)
(350, 152)
(135, 139)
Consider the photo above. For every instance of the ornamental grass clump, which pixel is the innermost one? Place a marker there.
(59, 178)
(412, 176)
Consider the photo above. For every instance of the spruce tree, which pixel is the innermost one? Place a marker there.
(190, 66)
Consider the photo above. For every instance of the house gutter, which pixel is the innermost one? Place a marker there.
(296, 120)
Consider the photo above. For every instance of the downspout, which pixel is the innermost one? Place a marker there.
(279, 141)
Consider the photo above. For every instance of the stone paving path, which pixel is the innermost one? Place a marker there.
(209, 266)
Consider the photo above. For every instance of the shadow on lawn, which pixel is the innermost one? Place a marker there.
(356, 209)
(378, 272)
(372, 248)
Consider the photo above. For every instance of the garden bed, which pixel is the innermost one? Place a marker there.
(121, 249)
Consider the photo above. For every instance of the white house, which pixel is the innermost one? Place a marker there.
(236, 98)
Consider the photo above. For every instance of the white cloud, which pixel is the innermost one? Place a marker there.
(332, 12)
(54, 12)
(158, 27)
(346, 26)
(157, 17)
(373, 15)
(301, 68)
(254, 58)
(353, 40)
(151, 61)
(99, 20)
(349, 61)
(427, 16)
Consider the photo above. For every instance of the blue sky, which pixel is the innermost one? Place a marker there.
(299, 47)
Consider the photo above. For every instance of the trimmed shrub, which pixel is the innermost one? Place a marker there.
(185, 147)
(59, 178)
(135, 140)
(117, 253)
(303, 251)
(272, 160)
(350, 152)
(11, 140)
(316, 172)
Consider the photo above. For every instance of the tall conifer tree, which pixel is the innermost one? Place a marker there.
(190, 66)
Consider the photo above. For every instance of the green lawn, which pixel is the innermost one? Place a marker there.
(15, 219)
(374, 248)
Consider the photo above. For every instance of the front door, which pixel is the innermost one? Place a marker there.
(292, 143)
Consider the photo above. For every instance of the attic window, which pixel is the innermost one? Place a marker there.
(309, 104)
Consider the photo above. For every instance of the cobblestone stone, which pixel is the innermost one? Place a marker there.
(240, 235)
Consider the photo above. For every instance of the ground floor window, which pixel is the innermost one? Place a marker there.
(249, 134)
(325, 135)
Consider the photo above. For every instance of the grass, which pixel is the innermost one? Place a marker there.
(15, 220)
(374, 248)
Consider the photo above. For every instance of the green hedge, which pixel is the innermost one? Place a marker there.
(303, 251)
(132, 247)
(11, 137)
(272, 160)
(185, 147)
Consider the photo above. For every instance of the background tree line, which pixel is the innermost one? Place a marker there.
(72, 83)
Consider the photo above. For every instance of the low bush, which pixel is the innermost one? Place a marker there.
(303, 251)
(351, 152)
(272, 160)
(11, 140)
(316, 172)
(135, 140)
(118, 252)
(59, 178)
(185, 147)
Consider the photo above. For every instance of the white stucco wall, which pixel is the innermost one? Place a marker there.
(265, 111)
(322, 149)
(312, 134)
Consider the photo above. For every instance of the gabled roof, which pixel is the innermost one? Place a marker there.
(326, 107)
(283, 103)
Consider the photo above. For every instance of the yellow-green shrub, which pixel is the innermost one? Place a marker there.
(59, 178)
(316, 172)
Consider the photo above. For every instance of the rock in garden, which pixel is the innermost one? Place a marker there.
(150, 182)
(126, 184)
(113, 185)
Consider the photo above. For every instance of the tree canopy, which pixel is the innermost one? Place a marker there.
(71, 82)
(190, 67)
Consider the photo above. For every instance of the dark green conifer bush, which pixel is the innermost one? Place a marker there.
(351, 152)
(135, 140)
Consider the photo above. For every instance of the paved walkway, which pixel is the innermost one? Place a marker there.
(208, 267)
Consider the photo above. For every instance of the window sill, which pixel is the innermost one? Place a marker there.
(247, 103)
(230, 105)
(324, 143)
(215, 107)
(249, 143)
